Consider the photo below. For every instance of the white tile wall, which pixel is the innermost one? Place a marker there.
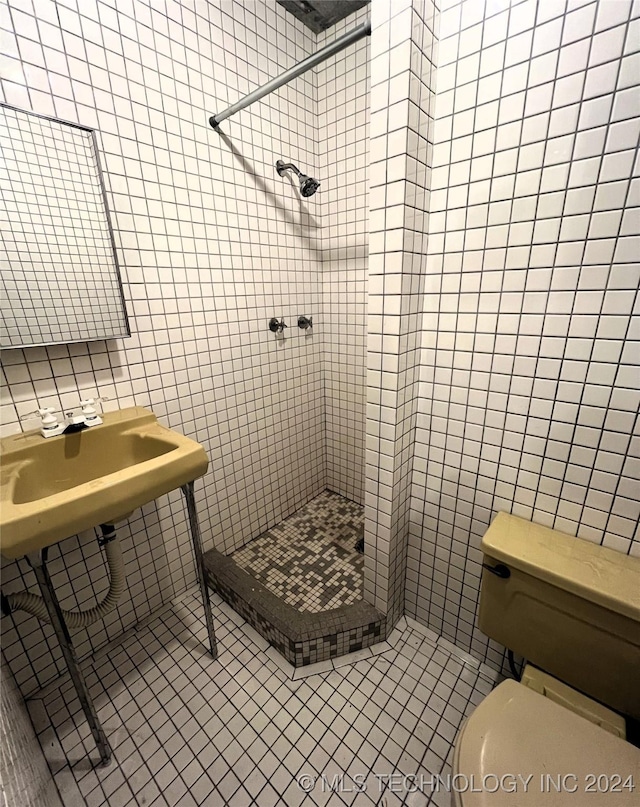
(527, 378)
(212, 243)
(402, 89)
(26, 780)
(529, 381)
(343, 126)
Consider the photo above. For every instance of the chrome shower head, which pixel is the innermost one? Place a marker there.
(308, 185)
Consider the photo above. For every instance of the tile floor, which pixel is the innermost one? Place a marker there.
(309, 560)
(243, 730)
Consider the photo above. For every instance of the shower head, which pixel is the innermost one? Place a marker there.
(308, 185)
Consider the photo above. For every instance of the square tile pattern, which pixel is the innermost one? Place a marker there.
(403, 55)
(309, 560)
(241, 730)
(529, 366)
(301, 638)
(300, 584)
(211, 243)
(527, 388)
(343, 106)
(26, 779)
(524, 393)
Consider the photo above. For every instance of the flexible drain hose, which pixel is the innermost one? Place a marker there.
(33, 604)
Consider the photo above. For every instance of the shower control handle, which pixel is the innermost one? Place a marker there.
(277, 325)
(305, 322)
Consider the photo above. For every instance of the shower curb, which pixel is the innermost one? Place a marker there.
(301, 637)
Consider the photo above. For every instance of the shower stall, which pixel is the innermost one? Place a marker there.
(216, 245)
(298, 575)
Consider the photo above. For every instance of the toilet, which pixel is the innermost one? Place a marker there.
(557, 737)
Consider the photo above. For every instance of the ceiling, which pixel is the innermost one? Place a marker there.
(318, 15)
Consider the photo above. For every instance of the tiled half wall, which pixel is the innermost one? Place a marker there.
(402, 86)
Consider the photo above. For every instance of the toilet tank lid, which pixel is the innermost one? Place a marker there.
(596, 573)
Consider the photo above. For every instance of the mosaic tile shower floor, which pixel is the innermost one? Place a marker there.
(309, 560)
(241, 731)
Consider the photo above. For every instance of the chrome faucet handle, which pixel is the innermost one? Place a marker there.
(73, 417)
(305, 322)
(277, 325)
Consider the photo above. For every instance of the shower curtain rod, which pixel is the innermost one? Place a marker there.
(293, 72)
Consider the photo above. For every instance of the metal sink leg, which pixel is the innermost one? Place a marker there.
(38, 561)
(196, 537)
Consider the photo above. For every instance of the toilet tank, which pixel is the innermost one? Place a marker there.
(568, 606)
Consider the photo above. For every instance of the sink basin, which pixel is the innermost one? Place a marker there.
(51, 489)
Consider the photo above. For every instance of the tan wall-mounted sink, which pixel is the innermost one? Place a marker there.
(51, 489)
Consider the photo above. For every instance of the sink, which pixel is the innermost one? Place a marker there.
(56, 487)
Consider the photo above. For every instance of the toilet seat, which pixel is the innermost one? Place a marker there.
(518, 731)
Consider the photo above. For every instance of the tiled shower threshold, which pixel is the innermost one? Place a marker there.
(300, 584)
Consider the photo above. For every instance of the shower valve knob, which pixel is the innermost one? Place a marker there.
(277, 325)
(305, 322)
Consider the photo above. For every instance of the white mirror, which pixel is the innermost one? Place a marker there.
(60, 279)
